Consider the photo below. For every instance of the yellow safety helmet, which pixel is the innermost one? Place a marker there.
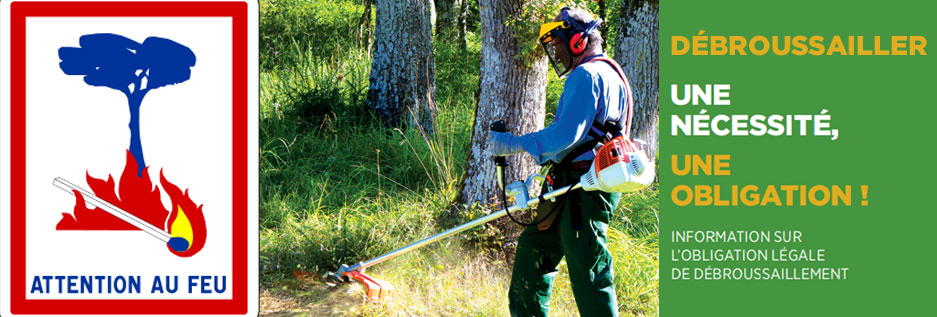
(572, 35)
(546, 30)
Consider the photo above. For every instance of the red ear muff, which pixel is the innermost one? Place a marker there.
(577, 44)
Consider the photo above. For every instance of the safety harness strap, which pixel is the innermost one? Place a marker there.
(600, 132)
(624, 80)
(603, 131)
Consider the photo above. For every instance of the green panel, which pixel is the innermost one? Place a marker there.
(883, 107)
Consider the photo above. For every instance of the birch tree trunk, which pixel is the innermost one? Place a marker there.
(636, 48)
(403, 71)
(603, 29)
(450, 19)
(510, 89)
(461, 22)
(364, 28)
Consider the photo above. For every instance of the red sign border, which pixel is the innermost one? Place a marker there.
(19, 11)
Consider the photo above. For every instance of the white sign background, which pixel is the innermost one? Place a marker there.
(73, 128)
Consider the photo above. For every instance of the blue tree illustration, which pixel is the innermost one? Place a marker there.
(117, 62)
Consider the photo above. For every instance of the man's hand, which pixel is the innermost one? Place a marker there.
(504, 143)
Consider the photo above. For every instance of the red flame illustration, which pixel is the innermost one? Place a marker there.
(137, 196)
(182, 201)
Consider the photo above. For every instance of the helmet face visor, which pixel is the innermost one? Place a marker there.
(558, 65)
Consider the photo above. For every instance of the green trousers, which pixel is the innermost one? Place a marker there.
(589, 262)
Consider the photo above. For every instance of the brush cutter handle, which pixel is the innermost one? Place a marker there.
(500, 161)
(499, 126)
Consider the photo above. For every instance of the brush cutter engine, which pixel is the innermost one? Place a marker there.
(620, 166)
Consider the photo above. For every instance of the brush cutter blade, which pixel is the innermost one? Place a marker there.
(334, 278)
(375, 289)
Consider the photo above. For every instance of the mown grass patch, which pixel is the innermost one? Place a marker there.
(453, 277)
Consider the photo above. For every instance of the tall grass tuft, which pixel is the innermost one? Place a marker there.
(323, 28)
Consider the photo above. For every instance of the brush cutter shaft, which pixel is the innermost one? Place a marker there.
(468, 225)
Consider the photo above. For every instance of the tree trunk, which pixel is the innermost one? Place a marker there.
(403, 72)
(446, 15)
(134, 101)
(636, 49)
(364, 28)
(510, 89)
(461, 22)
(450, 22)
(603, 29)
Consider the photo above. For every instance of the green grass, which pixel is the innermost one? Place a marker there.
(338, 187)
(322, 28)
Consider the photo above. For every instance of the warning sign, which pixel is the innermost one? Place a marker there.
(129, 158)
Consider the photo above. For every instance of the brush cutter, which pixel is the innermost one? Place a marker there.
(620, 166)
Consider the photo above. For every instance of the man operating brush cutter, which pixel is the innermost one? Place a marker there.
(592, 156)
(595, 105)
